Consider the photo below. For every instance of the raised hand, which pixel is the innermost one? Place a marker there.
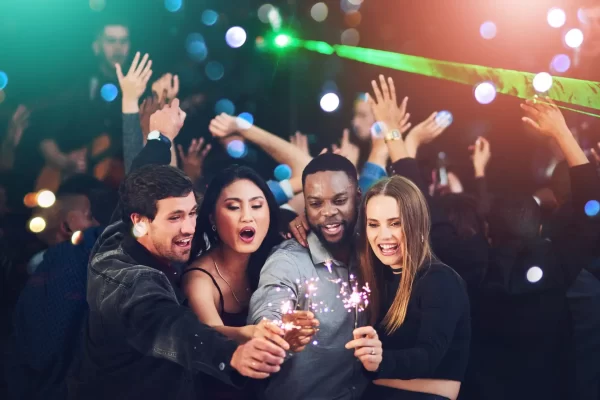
(149, 106)
(134, 83)
(481, 155)
(166, 87)
(223, 125)
(193, 161)
(423, 133)
(257, 358)
(168, 120)
(300, 140)
(385, 107)
(367, 347)
(17, 125)
(347, 148)
(544, 118)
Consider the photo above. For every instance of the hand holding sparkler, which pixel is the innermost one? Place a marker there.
(269, 330)
(367, 347)
(299, 327)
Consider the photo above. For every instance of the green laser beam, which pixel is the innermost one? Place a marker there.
(510, 82)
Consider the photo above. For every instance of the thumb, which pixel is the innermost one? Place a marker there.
(175, 103)
(345, 136)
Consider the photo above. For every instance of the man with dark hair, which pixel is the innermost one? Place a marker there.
(138, 340)
(325, 261)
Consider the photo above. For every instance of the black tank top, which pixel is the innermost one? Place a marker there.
(229, 319)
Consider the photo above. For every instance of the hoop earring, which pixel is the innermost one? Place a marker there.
(214, 228)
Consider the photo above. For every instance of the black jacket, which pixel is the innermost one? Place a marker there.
(139, 342)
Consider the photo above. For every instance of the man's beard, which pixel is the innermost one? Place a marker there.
(345, 240)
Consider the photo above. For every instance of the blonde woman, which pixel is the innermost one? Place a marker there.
(419, 305)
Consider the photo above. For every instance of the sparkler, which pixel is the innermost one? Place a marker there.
(354, 299)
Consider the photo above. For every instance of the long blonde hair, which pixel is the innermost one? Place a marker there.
(415, 223)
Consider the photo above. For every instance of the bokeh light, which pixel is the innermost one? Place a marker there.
(488, 30)
(237, 149)
(592, 208)
(534, 274)
(235, 37)
(225, 106)
(77, 238)
(244, 120)
(574, 38)
(560, 63)
(542, 82)
(263, 12)
(330, 102)
(556, 17)
(444, 118)
(582, 16)
(319, 12)
(214, 70)
(2, 96)
(196, 46)
(485, 92)
(352, 19)
(350, 37)
(350, 5)
(30, 200)
(37, 224)
(3, 80)
(173, 5)
(109, 92)
(97, 5)
(209, 17)
(377, 130)
(282, 172)
(45, 198)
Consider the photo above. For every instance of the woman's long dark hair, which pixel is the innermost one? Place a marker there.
(205, 238)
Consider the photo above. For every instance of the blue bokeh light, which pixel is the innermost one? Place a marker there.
(3, 80)
(235, 37)
(225, 106)
(444, 118)
(561, 63)
(173, 5)
(488, 30)
(237, 149)
(196, 47)
(109, 92)
(214, 70)
(592, 208)
(246, 116)
(282, 172)
(210, 17)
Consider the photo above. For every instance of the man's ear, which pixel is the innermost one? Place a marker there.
(96, 47)
(140, 225)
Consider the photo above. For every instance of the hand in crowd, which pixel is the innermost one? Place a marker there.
(300, 140)
(367, 347)
(223, 125)
(168, 120)
(385, 107)
(193, 161)
(258, 358)
(77, 161)
(150, 105)
(134, 83)
(306, 323)
(347, 148)
(423, 133)
(166, 88)
(17, 125)
(596, 153)
(299, 229)
(544, 118)
(268, 330)
(481, 155)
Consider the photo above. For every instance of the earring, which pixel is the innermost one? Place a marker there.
(140, 229)
(214, 228)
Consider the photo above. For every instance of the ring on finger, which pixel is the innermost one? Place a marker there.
(298, 226)
(372, 351)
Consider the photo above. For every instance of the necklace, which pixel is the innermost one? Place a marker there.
(225, 280)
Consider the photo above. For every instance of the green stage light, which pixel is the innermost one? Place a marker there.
(282, 40)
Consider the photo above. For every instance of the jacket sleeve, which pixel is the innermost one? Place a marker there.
(133, 142)
(157, 326)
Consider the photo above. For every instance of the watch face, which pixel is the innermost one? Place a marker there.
(153, 135)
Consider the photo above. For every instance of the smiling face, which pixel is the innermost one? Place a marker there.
(331, 206)
(242, 216)
(384, 230)
(169, 234)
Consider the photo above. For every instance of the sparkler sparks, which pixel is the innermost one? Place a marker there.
(355, 300)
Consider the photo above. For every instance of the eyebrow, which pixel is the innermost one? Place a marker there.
(240, 200)
(389, 219)
(182, 211)
(344, 193)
